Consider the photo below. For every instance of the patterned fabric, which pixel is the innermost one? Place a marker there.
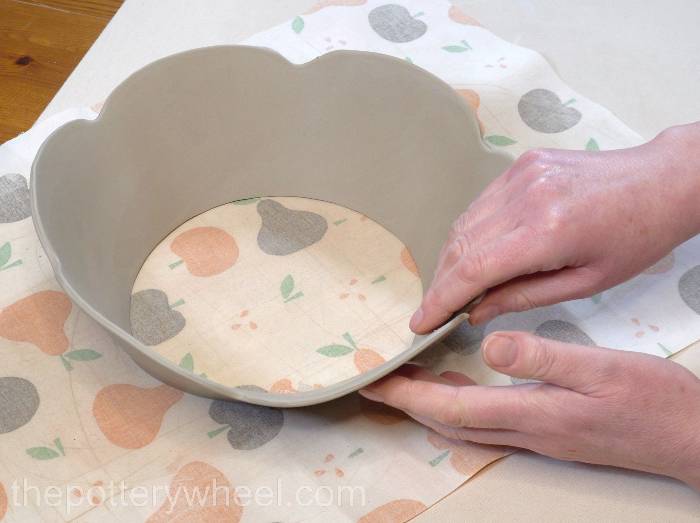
(287, 294)
(86, 435)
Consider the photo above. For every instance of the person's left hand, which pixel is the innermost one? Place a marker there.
(594, 405)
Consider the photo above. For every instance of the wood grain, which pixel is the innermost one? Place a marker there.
(104, 9)
(40, 44)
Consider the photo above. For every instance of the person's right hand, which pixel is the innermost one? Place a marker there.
(561, 225)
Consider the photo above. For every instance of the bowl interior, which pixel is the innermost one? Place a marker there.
(211, 126)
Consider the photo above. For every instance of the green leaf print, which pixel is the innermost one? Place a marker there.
(592, 145)
(187, 362)
(178, 303)
(42, 453)
(438, 459)
(5, 253)
(66, 364)
(458, 48)
(501, 141)
(286, 289)
(356, 452)
(298, 24)
(287, 286)
(349, 339)
(663, 347)
(59, 446)
(83, 355)
(335, 351)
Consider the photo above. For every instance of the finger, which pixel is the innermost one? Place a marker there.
(574, 367)
(481, 222)
(416, 372)
(515, 254)
(536, 290)
(472, 234)
(457, 378)
(449, 377)
(474, 406)
(508, 438)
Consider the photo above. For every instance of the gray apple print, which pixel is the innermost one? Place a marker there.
(689, 288)
(285, 231)
(563, 331)
(465, 339)
(396, 24)
(19, 401)
(543, 111)
(559, 330)
(249, 426)
(14, 198)
(153, 320)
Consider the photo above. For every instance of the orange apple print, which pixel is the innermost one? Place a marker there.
(328, 3)
(665, 264)
(396, 511)
(381, 413)
(473, 99)
(206, 251)
(3, 502)
(214, 498)
(467, 458)
(131, 416)
(408, 261)
(38, 319)
(457, 15)
(364, 359)
(283, 386)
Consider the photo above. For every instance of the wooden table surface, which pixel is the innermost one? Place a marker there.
(41, 42)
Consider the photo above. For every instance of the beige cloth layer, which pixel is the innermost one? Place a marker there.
(285, 294)
(77, 414)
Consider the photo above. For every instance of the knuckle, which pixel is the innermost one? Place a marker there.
(553, 219)
(459, 224)
(406, 398)
(471, 268)
(541, 359)
(610, 370)
(521, 301)
(532, 156)
(451, 412)
(543, 186)
(462, 245)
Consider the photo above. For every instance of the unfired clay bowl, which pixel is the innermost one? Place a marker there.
(405, 150)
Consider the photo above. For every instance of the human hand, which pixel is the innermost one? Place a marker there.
(594, 405)
(561, 225)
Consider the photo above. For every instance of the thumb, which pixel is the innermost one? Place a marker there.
(524, 355)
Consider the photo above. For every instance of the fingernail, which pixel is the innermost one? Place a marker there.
(500, 351)
(484, 314)
(417, 319)
(370, 395)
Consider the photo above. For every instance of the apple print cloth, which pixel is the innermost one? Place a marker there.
(86, 435)
(319, 294)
